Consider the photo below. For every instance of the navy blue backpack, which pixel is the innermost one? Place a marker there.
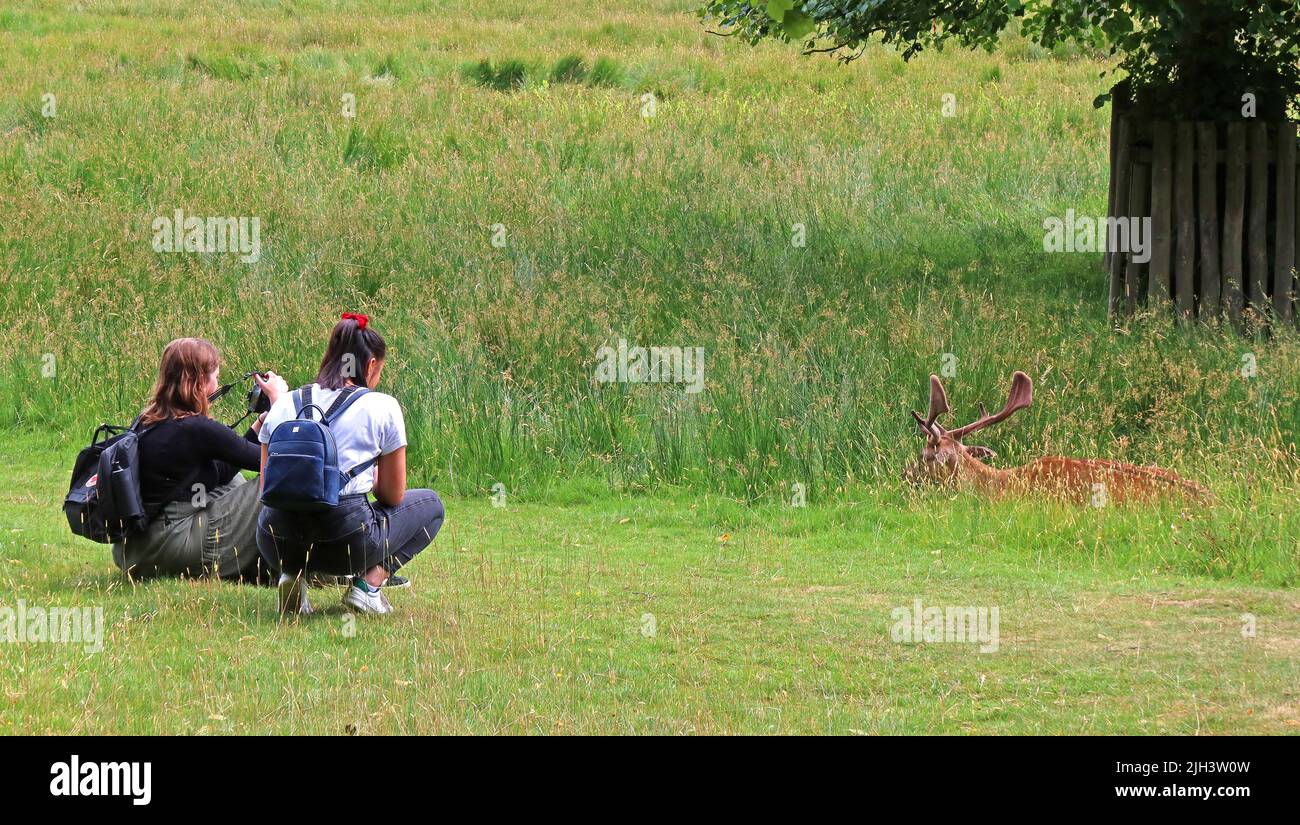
(302, 462)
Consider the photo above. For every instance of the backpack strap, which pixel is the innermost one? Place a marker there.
(302, 403)
(338, 400)
(324, 412)
(135, 426)
(107, 431)
(340, 405)
(358, 470)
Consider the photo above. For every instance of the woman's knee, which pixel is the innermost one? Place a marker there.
(424, 504)
(434, 510)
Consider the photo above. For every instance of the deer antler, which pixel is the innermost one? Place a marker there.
(938, 406)
(1022, 394)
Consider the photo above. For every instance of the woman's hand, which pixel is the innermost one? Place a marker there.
(273, 386)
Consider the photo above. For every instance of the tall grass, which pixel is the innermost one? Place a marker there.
(924, 238)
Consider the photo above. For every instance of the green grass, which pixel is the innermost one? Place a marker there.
(569, 69)
(923, 238)
(923, 244)
(528, 619)
(508, 75)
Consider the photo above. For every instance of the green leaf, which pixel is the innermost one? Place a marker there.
(797, 24)
(776, 9)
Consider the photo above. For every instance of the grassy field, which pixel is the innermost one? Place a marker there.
(533, 619)
(922, 249)
(923, 239)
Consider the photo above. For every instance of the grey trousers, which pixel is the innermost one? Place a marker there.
(351, 538)
(218, 539)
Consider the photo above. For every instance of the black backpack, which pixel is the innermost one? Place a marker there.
(103, 502)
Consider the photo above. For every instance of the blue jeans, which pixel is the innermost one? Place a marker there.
(351, 538)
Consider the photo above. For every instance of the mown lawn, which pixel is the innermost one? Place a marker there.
(537, 618)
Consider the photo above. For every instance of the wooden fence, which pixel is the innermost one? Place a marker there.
(1222, 199)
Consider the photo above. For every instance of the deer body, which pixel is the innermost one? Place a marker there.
(1078, 480)
(946, 459)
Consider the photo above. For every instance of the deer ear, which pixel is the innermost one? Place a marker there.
(938, 399)
(980, 452)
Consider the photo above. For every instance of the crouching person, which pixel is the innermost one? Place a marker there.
(203, 512)
(300, 531)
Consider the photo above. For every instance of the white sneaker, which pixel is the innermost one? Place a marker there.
(293, 597)
(359, 599)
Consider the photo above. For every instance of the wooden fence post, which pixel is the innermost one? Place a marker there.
(1234, 219)
(1162, 175)
(1115, 140)
(1284, 260)
(1258, 251)
(1208, 178)
(1138, 205)
(1119, 199)
(1185, 218)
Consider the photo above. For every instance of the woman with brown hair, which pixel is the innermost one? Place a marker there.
(203, 513)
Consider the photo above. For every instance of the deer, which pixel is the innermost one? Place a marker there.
(947, 459)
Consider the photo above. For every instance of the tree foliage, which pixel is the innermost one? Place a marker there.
(1181, 58)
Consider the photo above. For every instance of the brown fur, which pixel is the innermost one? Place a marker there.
(946, 459)
(1072, 479)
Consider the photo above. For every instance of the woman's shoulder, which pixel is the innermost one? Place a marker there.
(191, 422)
(189, 428)
(373, 401)
(380, 401)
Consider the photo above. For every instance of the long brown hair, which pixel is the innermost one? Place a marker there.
(350, 349)
(178, 393)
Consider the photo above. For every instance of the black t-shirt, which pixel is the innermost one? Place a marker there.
(182, 452)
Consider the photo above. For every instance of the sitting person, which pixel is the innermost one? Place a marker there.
(368, 541)
(203, 513)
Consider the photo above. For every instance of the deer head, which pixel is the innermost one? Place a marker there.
(944, 454)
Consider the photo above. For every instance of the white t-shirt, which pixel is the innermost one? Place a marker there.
(371, 426)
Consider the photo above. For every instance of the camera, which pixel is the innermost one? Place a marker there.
(255, 401)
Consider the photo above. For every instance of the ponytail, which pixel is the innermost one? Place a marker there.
(352, 345)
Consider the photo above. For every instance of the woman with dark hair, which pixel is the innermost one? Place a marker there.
(202, 513)
(365, 540)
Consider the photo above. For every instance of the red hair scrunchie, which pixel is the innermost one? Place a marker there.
(361, 320)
